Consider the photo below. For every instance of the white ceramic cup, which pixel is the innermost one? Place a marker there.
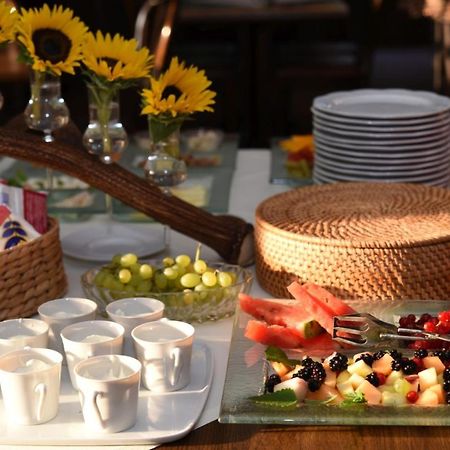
(164, 347)
(16, 334)
(30, 381)
(131, 312)
(109, 391)
(83, 340)
(62, 312)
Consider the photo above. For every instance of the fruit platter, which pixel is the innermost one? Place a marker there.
(285, 367)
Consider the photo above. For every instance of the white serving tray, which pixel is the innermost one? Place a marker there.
(162, 417)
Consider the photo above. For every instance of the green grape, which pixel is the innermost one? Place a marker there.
(100, 277)
(188, 297)
(129, 289)
(116, 259)
(200, 287)
(160, 281)
(146, 271)
(200, 266)
(190, 280)
(109, 281)
(168, 261)
(116, 285)
(135, 279)
(209, 279)
(225, 279)
(183, 260)
(170, 273)
(180, 269)
(128, 260)
(124, 276)
(144, 286)
(135, 268)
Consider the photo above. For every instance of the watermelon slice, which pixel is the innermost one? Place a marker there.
(321, 311)
(275, 312)
(339, 307)
(283, 337)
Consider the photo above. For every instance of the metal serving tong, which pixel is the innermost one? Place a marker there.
(365, 330)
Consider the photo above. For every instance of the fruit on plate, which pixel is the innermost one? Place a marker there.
(306, 323)
(179, 274)
(383, 377)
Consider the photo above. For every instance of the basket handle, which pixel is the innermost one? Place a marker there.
(231, 237)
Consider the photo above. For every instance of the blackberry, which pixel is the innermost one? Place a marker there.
(446, 386)
(447, 397)
(307, 361)
(338, 362)
(318, 372)
(373, 379)
(396, 365)
(395, 354)
(446, 374)
(409, 367)
(439, 353)
(421, 353)
(445, 355)
(379, 354)
(367, 358)
(314, 385)
(304, 373)
(272, 381)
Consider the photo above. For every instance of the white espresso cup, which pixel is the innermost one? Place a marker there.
(62, 312)
(30, 380)
(164, 347)
(83, 340)
(109, 391)
(16, 334)
(131, 312)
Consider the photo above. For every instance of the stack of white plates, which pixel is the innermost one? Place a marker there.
(390, 135)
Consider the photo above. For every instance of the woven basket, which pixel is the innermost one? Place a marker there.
(359, 240)
(31, 274)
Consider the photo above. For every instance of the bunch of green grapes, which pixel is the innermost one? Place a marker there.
(180, 274)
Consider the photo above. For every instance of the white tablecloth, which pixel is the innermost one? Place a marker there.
(249, 187)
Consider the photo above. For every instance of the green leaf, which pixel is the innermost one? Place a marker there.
(353, 399)
(277, 355)
(284, 398)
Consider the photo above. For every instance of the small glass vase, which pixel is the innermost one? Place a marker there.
(46, 110)
(105, 135)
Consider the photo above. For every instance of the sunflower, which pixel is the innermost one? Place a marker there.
(8, 20)
(178, 92)
(115, 59)
(51, 39)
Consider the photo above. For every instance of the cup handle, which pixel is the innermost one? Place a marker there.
(92, 403)
(175, 356)
(40, 389)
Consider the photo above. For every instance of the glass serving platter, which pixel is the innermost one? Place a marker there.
(247, 371)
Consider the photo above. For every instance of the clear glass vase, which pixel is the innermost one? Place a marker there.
(105, 135)
(46, 110)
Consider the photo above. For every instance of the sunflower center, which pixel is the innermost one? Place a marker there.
(171, 90)
(51, 45)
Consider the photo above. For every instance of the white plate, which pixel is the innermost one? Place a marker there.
(376, 134)
(375, 128)
(382, 103)
(428, 121)
(426, 141)
(407, 153)
(441, 180)
(100, 242)
(161, 417)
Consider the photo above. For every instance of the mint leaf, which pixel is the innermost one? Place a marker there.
(353, 399)
(284, 398)
(277, 355)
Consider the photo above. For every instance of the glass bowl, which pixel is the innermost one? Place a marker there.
(211, 304)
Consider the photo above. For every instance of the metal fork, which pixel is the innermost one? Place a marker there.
(365, 330)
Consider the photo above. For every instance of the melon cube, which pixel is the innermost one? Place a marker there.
(298, 385)
(383, 365)
(280, 368)
(371, 393)
(428, 398)
(345, 388)
(434, 361)
(325, 394)
(288, 375)
(439, 390)
(330, 378)
(343, 376)
(355, 380)
(393, 399)
(427, 378)
(402, 386)
(393, 377)
(360, 368)
(413, 380)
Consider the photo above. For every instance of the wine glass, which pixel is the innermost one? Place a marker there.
(165, 171)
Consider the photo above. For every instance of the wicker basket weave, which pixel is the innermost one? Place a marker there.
(359, 240)
(31, 274)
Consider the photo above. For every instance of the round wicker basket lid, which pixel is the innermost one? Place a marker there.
(363, 215)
